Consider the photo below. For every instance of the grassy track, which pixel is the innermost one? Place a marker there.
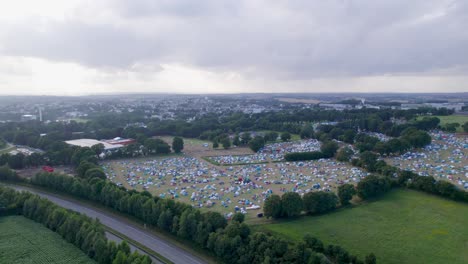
(402, 227)
(25, 241)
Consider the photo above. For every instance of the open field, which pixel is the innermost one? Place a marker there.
(204, 148)
(404, 226)
(461, 119)
(25, 241)
(7, 149)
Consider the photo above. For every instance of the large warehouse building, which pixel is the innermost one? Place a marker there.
(86, 142)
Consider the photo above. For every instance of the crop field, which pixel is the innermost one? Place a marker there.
(404, 226)
(191, 179)
(25, 241)
(461, 119)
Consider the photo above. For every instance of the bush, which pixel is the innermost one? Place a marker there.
(345, 193)
(298, 156)
(373, 186)
(291, 204)
(319, 202)
(273, 206)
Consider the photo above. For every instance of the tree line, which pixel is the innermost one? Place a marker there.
(83, 232)
(232, 242)
(60, 153)
(390, 177)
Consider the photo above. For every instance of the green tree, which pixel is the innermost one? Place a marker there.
(285, 136)
(345, 193)
(465, 127)
(95, 173)
(372, 186)
(319, 202)
(226, 142)
(120, 258)
(215, 144)
(83, 167)
(16, 161)
(245, 138)
(272, 206)
(239, 217)
(98, 148)
(291, 204)
(370, 259)
(236, 140)
(177, 144)
(368, 160)
(306, 132)
(344, 154)
(257, 143)
(349, 136)
(329, 148)
(271, 136)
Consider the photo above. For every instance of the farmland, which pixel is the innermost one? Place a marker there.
(404, 226)
(25, 241)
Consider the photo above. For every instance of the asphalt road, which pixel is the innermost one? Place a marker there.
(157, 244)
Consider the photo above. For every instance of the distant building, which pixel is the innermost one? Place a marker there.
(451, 106)
(86, 142)
(28, 117)
(120, 141)
(339, 107)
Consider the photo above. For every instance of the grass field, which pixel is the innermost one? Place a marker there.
(25, 241)
(403, 227)
(7, 149)
(461, 119)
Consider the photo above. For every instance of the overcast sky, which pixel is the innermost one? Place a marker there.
(76, 47)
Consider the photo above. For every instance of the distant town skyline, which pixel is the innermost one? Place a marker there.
(82, 47)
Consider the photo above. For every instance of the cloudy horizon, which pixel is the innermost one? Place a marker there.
(82, 47)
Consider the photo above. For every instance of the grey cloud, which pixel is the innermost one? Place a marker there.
(288, 39)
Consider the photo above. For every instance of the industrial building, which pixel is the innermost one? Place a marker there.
(86, 142)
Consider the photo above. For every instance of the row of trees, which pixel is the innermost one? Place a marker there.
(409, 139)
(291, 204)
(328, 149)
(82, 231)
(373, 186)
(61, 153)
(232, 242)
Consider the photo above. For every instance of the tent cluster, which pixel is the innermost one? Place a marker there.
(239, 159)
(276, 151)
(380, 136)
(245, 186)
(445, 158)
